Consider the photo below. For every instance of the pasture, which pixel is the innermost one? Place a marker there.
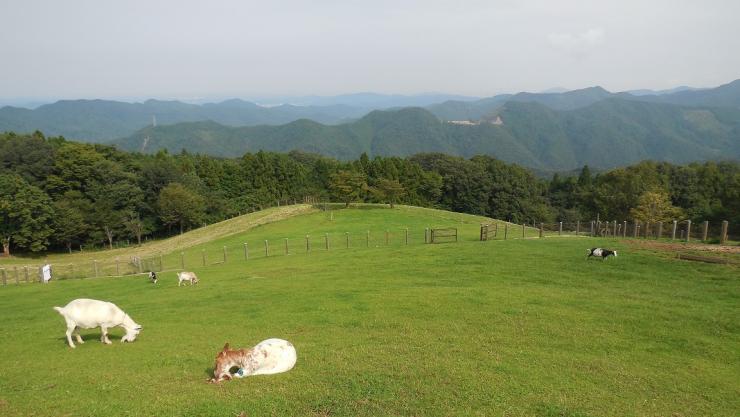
(499, 328)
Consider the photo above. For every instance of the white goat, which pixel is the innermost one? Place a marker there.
(186, 276)
(84, 313)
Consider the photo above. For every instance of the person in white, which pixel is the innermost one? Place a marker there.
(46, 273)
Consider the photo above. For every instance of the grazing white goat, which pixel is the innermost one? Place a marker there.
(84, 313)
(186, 276)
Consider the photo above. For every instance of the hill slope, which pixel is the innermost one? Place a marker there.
(607, 133)
(392, 329)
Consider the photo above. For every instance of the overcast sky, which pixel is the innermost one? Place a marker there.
(218, 48)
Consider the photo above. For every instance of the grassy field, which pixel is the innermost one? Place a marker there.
(501, 328)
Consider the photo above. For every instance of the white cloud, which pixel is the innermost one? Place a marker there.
(579, 44)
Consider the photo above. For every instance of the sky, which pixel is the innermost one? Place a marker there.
(184, 49)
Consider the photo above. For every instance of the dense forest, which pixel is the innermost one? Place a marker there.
(56, 194)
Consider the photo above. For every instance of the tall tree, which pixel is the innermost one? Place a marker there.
(178, 205)
(25, 215)
(69, 223)
(348, 186)
(388, 191)
(653, 207)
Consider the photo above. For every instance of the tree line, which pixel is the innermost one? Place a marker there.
(59, 194)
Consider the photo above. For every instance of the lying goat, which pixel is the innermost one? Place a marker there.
(153, 277)
(186, 276)
(270, 356)
(84, 313)
(604, 253)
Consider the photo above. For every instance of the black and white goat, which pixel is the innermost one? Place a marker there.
(153, 277)
(604, 253)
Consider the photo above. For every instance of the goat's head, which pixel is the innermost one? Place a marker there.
(132, 330)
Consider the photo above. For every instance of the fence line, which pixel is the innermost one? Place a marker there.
(325, 242)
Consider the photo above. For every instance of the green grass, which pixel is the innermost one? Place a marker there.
(505, 328)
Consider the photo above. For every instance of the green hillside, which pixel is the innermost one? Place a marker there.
(522, 327)
(607, 133)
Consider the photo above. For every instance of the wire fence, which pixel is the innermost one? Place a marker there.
(251, 249)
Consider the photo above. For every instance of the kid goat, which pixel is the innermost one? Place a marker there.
(604, 253)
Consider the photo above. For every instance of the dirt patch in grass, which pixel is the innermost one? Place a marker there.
(673, 249)
(682, 247)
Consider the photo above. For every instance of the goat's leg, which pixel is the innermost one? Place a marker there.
(70, 329)
(77, 335)
(104, 335)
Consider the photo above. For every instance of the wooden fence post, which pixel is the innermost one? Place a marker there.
(624, 231)
(723, 233)
(560, 228)
(118, 269)
(506, 230)
(203, 256)
(705, 231)
(267, 248)
(647, 229)
(407, 235)
(542, 229)
(182, 260)
(637, 227)
(660, 230)
(614, 229)
(224, 254)
(524, 228)
(5, 278)
(578, 227)
(286, 246)
(675, 226)
(592, 228)
(25, 272)
(246, 251)
(308, 245)
(367, 239)
(17, 281)
(326, 240)
(426, 235)
(346, 235)
(688, 230)
(95, 267)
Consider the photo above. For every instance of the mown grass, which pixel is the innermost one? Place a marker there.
(508, 328)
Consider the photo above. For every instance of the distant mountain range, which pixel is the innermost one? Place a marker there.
(608, 133)
(547, 131)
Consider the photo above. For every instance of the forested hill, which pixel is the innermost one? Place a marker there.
(607, 133)
(103, 120)
(56, 193)
(727, 95)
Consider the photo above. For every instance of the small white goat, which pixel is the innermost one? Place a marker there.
(84, 313)
(186, 276)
